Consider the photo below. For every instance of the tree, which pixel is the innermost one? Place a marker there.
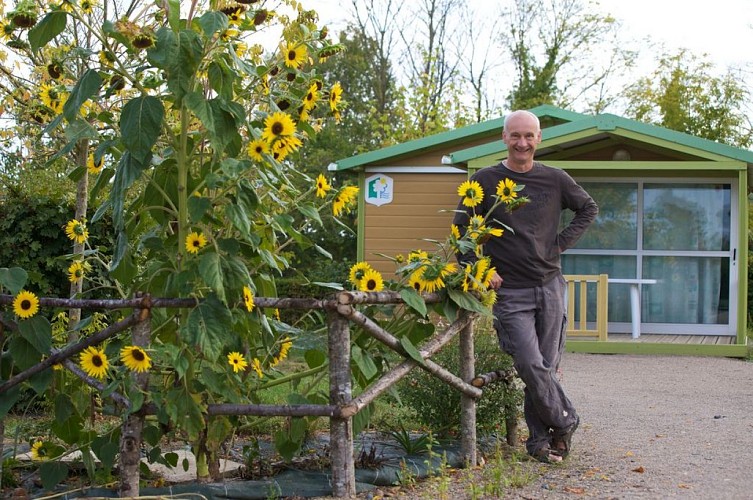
(684, 94)
(552, 44)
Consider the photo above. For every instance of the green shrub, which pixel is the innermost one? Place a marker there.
(437, 405)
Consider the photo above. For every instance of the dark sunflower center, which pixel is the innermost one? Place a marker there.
(371, 284)
(292, 55)
(97, 361)
(506, 191)
(137, 355)
(196, 243)
(25, 304)
(277, 128)
(470, 193)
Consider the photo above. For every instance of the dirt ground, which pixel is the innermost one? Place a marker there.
(652, 427)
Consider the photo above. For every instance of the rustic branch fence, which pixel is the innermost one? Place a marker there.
(341, 311)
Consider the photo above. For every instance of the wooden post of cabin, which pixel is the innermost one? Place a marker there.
(467, 403)
(130, 435)
(341, 429)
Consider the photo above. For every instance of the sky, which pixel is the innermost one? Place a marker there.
(721, 28)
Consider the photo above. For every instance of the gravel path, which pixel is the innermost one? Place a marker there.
(655, 427)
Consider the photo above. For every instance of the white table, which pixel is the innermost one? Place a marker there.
(635, 300)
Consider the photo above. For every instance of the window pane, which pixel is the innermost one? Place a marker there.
(686, 217)
(612, 265)
(615, 226)
(692, 290)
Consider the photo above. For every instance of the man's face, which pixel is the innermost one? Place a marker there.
(521, 137)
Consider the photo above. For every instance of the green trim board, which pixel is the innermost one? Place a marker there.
(596, 347)
(742, 260)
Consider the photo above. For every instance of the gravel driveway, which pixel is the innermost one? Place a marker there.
(655, 427)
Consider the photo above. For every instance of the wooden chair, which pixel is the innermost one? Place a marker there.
(581, 281)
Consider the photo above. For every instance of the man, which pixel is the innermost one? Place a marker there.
(529, 315)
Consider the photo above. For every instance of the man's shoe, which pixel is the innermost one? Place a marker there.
(562, 440)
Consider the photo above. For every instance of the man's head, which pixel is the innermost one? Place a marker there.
(521, 134)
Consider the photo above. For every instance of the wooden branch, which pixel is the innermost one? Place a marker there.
(71, 350)
(467, 403)
(388, 297)
(95, 383)
(483, 379)
(302, 410)
(340, 394)
(394, 375)
(129, 459)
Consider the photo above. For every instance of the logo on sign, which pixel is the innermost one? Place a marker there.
(378, 190)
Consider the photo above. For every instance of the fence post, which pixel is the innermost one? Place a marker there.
(130, 435)
(341, 429)
(467, 403)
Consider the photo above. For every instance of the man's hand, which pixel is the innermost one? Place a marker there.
(495, 282)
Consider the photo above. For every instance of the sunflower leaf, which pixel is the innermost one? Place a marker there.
(48, 28)
(38, 332)
(414, 300)
(13, 278)
(88, 85)
(52, 473)
(210, 270)
(208, 327)
(468, 302)
(411, 350)
(140, 125)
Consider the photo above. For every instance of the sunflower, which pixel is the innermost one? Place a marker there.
(195, 242)
(454, 231)
(52, 97)
(135, 358)
(6, 30)
(506, 190)
(344, 200)
(257, 148)
(77, 270)
(277, 125)
(489, 297)
(26, 304)
(357, 272)
(372, 281)
(322, 186)
(335, 96)
(468, 283)
(431, 276)
(38, 451)
(87, 6)
(94, 362)
(294, 55)
(417, 256)
(282, 353)
(477, 229)
(237, 361)
(106, 58)
(309, 102)
(471, 192)
(256, 366)
(484, 272)
(76, 231)
(94, 167)
(248, 298)
(143, 40)
(235, 17)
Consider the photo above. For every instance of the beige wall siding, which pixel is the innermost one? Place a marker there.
(398, 227)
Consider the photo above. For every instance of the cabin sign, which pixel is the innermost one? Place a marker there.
(378, 190)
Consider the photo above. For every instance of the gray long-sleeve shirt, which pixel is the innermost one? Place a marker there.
(531, 256)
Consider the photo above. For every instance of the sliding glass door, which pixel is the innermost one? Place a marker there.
(676, 232)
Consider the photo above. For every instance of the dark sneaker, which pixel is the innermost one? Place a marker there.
(562, 439)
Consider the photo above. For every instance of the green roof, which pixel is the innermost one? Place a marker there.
(563, 123)
(447, 139)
